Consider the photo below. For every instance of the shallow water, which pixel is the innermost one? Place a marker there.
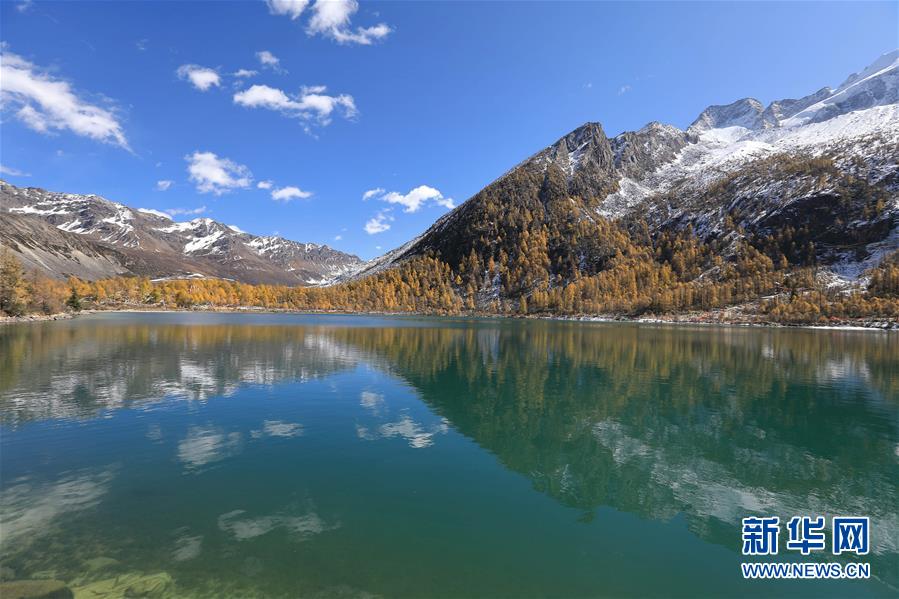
(275, 455)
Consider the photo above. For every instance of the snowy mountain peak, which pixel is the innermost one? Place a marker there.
(887, 61)
(876, 85)
(656, 127)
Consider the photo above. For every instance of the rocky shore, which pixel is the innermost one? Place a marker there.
(727, 317)
(35, 318)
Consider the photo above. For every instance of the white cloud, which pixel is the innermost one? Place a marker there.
(243, 73)
(338, 237)
(30, 508)
(373, 192)
(269, 60)
(201, 78)
(373, 402)
(379, 223)
(331, 18)
(291, 8)
(413, 200)
(154, 212)
(24, 6)
(311, 104)
(12, 172)
(265, 184)
(164, 185)
(363, 35)
(216, 175)
(141, 44)
(45, 103)
(624, 89)
(243, 527)
(285, 194)
(414, 433)
(186, 211)
(203, 445)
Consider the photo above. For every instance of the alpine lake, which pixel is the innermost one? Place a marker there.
(263, 455)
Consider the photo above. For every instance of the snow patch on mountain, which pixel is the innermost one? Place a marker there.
(203, 243)
(267, 244)
(630, 193)
(153, 212)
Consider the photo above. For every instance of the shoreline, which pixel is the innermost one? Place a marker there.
(717, 318)
(36, 318)
(685, 320)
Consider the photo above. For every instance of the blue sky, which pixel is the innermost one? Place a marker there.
(426, 101)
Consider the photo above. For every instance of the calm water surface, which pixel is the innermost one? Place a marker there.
(325, 456)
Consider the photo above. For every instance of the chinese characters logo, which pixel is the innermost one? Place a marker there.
(806, 534)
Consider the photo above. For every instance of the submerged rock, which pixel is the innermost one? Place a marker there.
(35, 589)
(127, 585)
(101, 563)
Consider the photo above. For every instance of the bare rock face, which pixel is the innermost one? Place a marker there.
(90, 237)
(41, 246)
(640, 152)
(779, 110)
(583, 158)
(746, 113)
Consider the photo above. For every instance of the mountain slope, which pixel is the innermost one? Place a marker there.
(41, 246)
(89, 236)
(814, 181)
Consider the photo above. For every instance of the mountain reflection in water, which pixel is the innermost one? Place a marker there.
(707, 424)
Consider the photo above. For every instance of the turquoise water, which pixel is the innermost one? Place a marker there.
(340, 456)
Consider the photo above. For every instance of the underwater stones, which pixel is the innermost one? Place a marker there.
(127, 585)
(187, 547)
(101, 563)
(35, 589)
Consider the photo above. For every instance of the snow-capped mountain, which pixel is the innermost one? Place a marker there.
(735, 161)
(90, 236)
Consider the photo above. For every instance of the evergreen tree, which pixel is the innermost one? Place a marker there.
(74, 301)
(13, 291)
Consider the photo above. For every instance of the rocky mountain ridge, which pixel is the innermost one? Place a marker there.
(820, 164)
(91, 237)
